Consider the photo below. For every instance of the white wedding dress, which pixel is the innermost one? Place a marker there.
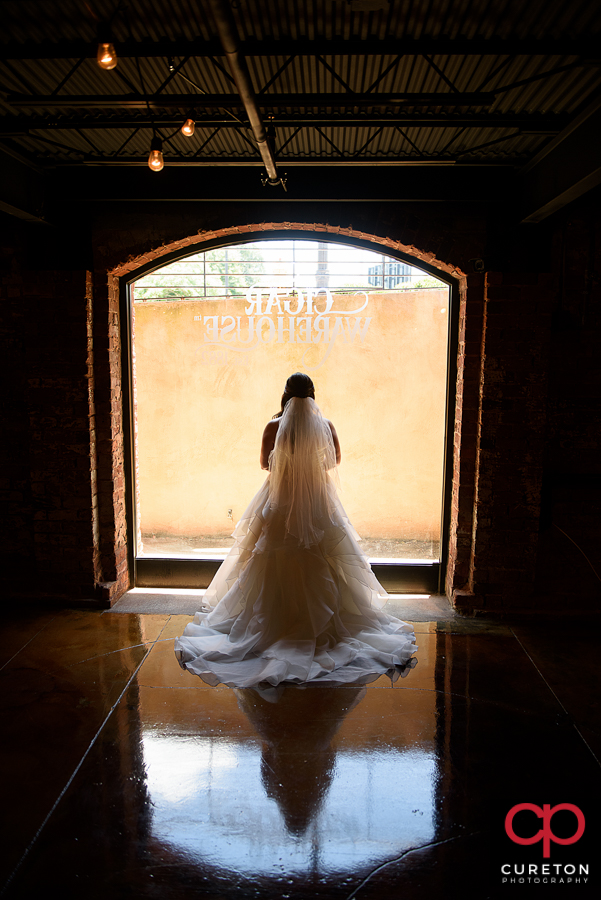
(295, 600)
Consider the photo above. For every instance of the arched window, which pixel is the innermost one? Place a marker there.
(214, 337)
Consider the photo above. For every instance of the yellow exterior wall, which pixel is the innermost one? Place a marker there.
(202, 408)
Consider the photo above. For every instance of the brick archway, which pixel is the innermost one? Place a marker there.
(254, 232)
(109, 482)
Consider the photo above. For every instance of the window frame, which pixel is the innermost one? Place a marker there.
(396, 577)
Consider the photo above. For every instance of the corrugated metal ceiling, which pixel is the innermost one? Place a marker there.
(519, 81)
(55, 20)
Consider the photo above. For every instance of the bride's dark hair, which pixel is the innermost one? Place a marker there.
(298, 385)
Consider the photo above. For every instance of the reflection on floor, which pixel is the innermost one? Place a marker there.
(127, 777)
(179, 601)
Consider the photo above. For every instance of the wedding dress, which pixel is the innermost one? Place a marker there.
(295, 600)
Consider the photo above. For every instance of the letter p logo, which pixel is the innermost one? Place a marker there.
(545, 834)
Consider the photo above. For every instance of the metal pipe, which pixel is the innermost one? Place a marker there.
(230, 41)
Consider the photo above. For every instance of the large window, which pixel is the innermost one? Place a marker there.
(215, 335)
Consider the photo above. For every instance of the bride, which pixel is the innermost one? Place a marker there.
(295, 599)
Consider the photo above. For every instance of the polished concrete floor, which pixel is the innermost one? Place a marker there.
(125, 777)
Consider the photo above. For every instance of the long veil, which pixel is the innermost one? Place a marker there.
(295, 600)
(299, 464)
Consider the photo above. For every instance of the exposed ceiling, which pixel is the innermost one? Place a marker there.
(504, 87)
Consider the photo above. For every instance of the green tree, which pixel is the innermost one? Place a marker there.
(216, 273)
(426, 281)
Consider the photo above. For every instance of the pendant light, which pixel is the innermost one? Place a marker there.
(106, 57)
(155, 160)
(188, 128)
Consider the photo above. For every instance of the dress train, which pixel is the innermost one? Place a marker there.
(280, 612)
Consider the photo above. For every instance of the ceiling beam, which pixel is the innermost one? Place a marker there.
(565, 169)
(22, 193)
(337, 46)
(321, 183)
(528, 124)
(233, 101)
(80, 158)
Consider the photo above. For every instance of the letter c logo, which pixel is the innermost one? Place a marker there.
(545, 834)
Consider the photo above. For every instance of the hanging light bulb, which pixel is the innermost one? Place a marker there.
(188, 127)
(155, 160)
(106, 56)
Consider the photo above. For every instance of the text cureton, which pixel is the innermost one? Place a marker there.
(544, 869)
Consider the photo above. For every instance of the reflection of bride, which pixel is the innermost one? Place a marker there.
(297, 727)
(295, 600)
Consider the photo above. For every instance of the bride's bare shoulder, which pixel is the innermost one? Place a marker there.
(272, 426)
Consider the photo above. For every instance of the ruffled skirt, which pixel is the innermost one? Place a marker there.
(277, 612)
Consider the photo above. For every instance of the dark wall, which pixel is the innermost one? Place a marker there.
(569, 559)
(46, 521)
(58, 326)
(451, 233)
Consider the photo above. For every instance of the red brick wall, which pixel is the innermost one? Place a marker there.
(448, 236)
(46, 521)
(513, 394)
(459, 576)
(91, 376)
(526, 442)
(112, 550)
(568, 574)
